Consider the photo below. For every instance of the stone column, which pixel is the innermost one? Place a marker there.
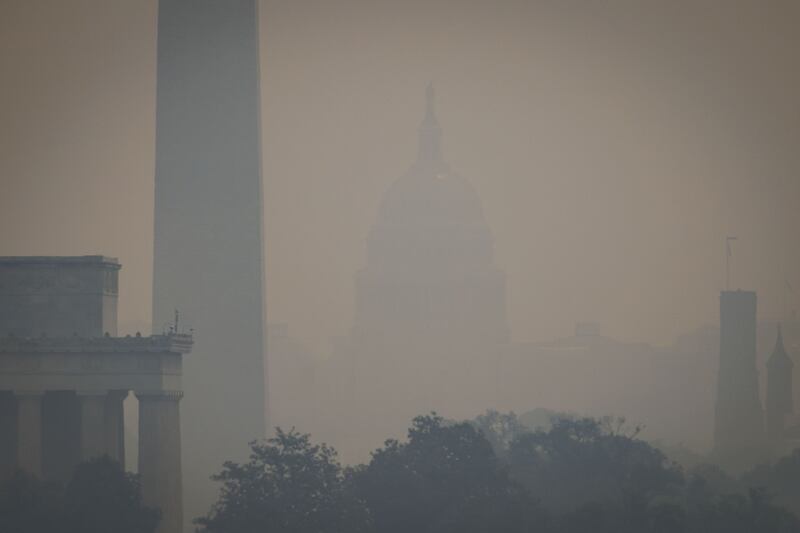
(93, 422)
(29, 431)
(160, 456)
(115, 426)
(8, 434)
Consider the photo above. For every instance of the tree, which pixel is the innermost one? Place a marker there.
(28, 505)
(781, 480)
(102, 497)
(288, 485)
(707, 482)
(738, 513)
(585, 460)
(445, 478)
(591, 475)
(500, 429)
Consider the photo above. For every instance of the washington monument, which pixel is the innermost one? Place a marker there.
(208, 259)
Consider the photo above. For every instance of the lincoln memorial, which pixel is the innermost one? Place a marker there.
(64, 374)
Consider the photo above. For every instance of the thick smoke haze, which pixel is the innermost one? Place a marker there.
(514, 218)
(614, 146)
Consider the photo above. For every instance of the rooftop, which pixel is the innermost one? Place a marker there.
(175, 342)
(59, 260)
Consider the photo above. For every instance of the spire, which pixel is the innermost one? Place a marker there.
(430, 103)
(430, 133)
(779, 357)
(779, 390)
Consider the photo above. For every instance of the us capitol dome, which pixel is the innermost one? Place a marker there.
(429, 269)
(430, 310)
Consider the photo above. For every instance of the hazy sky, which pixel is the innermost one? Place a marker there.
(614, 146)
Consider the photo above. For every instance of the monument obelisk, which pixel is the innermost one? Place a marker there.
(208, 257)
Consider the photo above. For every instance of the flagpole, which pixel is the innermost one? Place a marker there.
(728, 253)
(727, 266)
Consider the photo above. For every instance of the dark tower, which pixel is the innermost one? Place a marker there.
(739, 425)
(779, 390)
(208, 222)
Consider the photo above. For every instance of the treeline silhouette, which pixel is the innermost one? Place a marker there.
(579, 475)
(100, 498)
(491, 474)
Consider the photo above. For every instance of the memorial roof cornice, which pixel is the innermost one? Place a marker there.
(176, 343)
(58, 260)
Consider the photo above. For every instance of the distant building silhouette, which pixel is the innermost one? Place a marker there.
(739, 419)
(779, 391)
(208, 226)
(430, 271)
(430, 304)
(664, 389)
(430, 333)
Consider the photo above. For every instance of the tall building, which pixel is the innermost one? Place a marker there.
(739, 421)
(208, 226)
(780, 403)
